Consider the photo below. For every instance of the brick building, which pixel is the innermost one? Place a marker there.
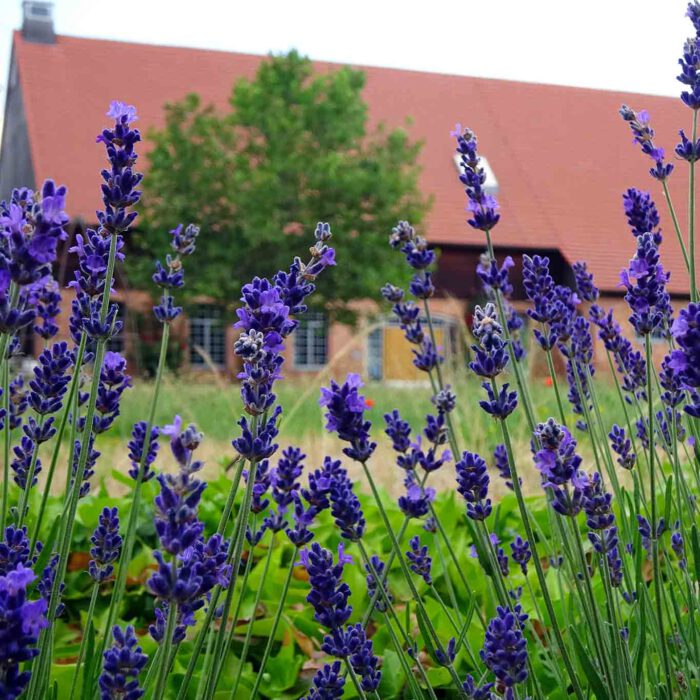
(559, 159)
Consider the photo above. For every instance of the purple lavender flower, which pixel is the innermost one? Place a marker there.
(90, 462)
(171, 276)
(106, 547)
(299, 535)
(505, 649)
(345, 506)
(690, 74)
(473, 484)
(685, 361)
(21, 621)
(259, 502)
(645, 282)
(597, 504)
(579, 368)
(420, 561)
(445, 400)
(447, 657)
(328, 683)
(678, 547)
(392, 293)
(136, 449)
(421, 286)
(19, 401)
(483, 206)
(15, 550)
(687, 149)
(622, 446)
(31, 225)
(477, 692)
(329, 594)
(48, 386)
(584, 282)
(48, 300)
(378, 566)
(284, 478)
(644, 135)
(113, 382)
(500, 461)
(671, 384)
(556, 459)
(499, 405)
(119, 194)
(45, 584)
(123, 663)
(493, 277)
(362, 658)
(398, 430)
(490, 356)
(642, 214)
(184, 239)
(540, 290)
(521, 552)
(415, 503)
(414, 247)
(21, 464)
(345, 408)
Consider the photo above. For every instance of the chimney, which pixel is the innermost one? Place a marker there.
(37, 22)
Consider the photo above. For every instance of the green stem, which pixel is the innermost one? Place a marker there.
(132, 523)
(238, 539)
(691, 216)
(164, 666)
(6, 443)
(391, 613)
(206, 624)
(555, 384)
(72, 392)
(354, 678)
(71, 502)
(658, 583)
(676, 225)
(256, 603)
(275, 624)
(24, 497)
(83, 641)
(525, 516)
(409, 579)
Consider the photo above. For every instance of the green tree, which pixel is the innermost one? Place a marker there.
(293, 150)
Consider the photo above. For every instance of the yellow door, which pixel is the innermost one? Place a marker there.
(398, 357)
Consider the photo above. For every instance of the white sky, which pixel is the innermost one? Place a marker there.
(611, 44)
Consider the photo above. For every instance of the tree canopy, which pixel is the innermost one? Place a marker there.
(294, 149)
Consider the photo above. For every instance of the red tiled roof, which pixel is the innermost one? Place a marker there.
(562, 156)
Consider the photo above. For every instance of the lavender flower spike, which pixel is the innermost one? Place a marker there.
(123, 663)
(345, 408)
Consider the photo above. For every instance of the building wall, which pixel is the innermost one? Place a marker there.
(16, 164)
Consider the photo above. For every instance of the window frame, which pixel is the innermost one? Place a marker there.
(308, 324)
(206, 318)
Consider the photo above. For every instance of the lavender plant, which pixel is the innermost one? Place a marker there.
(587, 589)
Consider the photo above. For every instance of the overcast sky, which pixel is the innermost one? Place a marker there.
(611, 44)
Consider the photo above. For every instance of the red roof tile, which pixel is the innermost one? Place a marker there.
(562, 156)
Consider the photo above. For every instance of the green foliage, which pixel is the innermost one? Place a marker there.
(295, 148)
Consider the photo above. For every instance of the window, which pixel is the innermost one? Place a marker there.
(491, 184)
(207, 336)
(311, 342)
(375, 351)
